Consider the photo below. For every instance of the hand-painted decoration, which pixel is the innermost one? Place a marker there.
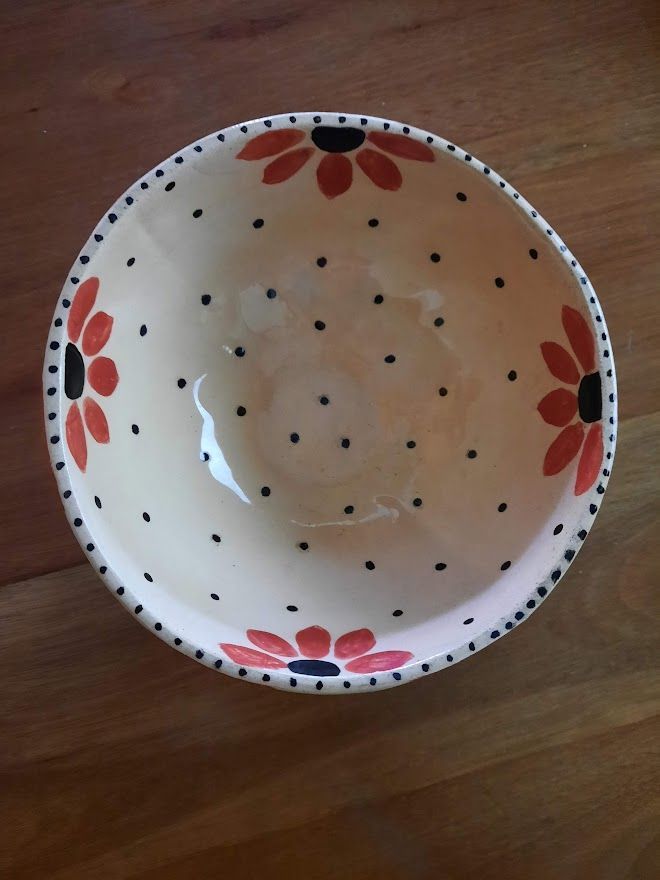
(85, 371)
(334, 173)
(561, 406)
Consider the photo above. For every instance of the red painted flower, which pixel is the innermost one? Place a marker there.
(81, 366)
(314, 643)
(560, 406)
(334, 173)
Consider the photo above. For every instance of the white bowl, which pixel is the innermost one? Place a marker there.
(329, 404)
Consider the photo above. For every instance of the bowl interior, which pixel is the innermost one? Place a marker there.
(303, 375)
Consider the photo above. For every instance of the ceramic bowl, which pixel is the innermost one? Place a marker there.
(330, 405)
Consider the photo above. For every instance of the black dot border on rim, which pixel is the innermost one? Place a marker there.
(232, 139)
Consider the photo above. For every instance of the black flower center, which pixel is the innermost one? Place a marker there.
(590, 398)
(317, 668)
(337, 140)
(74, 372)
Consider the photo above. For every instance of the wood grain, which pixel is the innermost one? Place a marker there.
(534, 760)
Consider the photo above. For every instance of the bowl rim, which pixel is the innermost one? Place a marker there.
(236, 135)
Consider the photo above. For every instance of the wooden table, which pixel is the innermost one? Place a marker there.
(534, 760)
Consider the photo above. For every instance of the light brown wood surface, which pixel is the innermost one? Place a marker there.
(535, 760)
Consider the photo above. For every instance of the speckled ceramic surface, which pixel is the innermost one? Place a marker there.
(330, 406)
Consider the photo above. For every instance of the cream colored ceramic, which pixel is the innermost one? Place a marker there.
(329, 404)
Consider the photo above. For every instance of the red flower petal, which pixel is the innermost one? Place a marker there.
(286, 166)
(81, 307)
(379, 662)
(353, 643)
(558, 407)
(402, 146)
(102, 375)
(250, 657)
(96, 422)
(379, 169)
(580, 336)
(334, 174)
(270, 143)
(590, 460)
(270, 642)
(75, 437)
(97, 333)
(560, 363)
(313, 642)
(563, 449)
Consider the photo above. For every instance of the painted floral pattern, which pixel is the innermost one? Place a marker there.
(577, 411)
(289, 149)
(85, 371)
(352, 652)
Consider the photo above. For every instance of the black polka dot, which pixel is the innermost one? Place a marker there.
(66, 493)
(373, 223)
(112, 218)
(130, 261)
(170, 186)
(499, 282)
(451, 147)
(135, 429)
(148, 577)
(77, 522)
(218, 664)
(291, 607)
(181, 383)
(369, 565)
(317, 119)
(54, 345)
(372, 681)
(221, 136)
(389, 359)
(534, 254)
(461, 197)
(542, 591)
(345, 442)
(179, 160)
(396, 676)
(347, 684)
(199, 654)
(592, 508)
(271, 293)
(216, 538)
(439, 322)
(293, 682)
(52, 369)
(239, 351)
(411, 444)
(468, 621)
(495, 634)
(66, 303)
(51, 391)
(321, 262)
(59, 465)
(425, 667)
(205, 298)
(52, 416)
(450, 659)
(264, 677)
(143, 330)
(582, 534)
(197, 148)
(58, 322)
(519, 615)
(508, 625)
(556, 574)
(569, 555)
(177, 641)
(303, 545)
(502, 507)
(397, 613)
(323, 400)
(471, 453)
(320, 325)
(378, 298)
(512, 375)
(146, 517)
(435, 257)
(90, 548)
(258, 223)
(267, 123)
(98, 237)
(294, 437)
(442, 392)
(440, 566)
(215, 597)
(197, 213)
(138, 608)
(319, 685)
(505, 565)
(557, 529)
(417, 502)
(240, 410)
(158, 626)
(349, 509)
(54, 439)
(265, 491)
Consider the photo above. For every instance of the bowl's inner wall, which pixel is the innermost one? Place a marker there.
(428, 516)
